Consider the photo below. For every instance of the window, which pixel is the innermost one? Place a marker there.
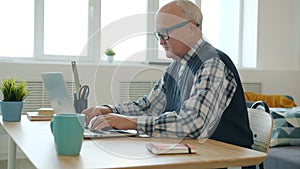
(125, 30)
(18, 33)
(221, 24)
(67, 29)
(231, 27)
(249, 34)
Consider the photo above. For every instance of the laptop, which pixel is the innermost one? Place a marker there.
(57, 92)
(108, 133)
(61, 103)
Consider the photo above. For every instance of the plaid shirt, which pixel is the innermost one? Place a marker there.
(195, 107)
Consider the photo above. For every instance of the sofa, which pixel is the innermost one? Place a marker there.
(284, 151)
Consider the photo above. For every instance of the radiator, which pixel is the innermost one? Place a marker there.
(252, 87)
(131, 91)
(38, 96)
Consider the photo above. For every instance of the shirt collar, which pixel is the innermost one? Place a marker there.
(191, 52)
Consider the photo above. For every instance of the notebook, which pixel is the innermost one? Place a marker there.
(61, 103)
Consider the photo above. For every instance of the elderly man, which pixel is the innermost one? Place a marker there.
(199, 96)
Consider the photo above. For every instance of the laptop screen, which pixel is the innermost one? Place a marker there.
(57, 92)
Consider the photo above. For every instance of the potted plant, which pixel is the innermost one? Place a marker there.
(14, 95)
(110, 53)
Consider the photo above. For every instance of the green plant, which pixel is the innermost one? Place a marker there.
(110, 52)
(13, 91)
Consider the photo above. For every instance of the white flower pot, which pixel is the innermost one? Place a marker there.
(110, 59)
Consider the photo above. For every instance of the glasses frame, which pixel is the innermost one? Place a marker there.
(163, 33)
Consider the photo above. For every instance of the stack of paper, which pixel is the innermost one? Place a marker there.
(42, 114)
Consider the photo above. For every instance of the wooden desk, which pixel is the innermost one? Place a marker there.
(37, 143)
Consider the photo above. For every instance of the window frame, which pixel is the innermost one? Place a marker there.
(94, 24)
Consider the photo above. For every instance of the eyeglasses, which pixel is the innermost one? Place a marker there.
(163, 33)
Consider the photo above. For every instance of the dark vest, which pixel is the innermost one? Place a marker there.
(234, 124)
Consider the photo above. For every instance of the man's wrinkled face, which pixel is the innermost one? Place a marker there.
(171, 31)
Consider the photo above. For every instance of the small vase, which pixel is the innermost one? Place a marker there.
(11, 110)
(110, 59)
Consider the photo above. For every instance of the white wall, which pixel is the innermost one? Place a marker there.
(278, 35)
(278, 61)
(275, 81)
(297, 28)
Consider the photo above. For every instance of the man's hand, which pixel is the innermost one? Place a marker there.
(114, 121)
(92, 112)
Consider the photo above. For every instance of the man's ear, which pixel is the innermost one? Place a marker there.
(191, 31)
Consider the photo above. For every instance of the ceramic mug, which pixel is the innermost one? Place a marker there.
(67, 130)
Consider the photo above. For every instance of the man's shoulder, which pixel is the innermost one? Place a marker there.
(206, 51)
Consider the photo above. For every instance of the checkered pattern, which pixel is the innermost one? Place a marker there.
(190, 98)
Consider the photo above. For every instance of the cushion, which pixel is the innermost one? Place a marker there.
(271, 100)
(286, 129)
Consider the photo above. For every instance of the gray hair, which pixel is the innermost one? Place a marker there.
(191, 11)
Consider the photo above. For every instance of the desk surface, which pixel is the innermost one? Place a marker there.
(37, 143)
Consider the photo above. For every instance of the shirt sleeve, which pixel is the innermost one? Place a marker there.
(150, 105)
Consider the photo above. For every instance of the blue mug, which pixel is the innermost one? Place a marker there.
(67, 130)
